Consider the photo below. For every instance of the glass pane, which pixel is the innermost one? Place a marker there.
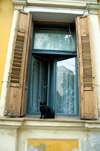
(66, 87)
(38, 85)
(54, 39)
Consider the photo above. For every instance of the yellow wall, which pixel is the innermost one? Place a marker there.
(6, 15)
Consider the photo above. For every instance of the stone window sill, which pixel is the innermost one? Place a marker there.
(57, 123)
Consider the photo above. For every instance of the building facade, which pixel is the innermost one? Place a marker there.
(49, 51)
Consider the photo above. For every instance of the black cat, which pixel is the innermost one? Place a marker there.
(47, 111)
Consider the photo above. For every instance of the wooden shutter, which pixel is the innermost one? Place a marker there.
(19, 66)
(86, 69)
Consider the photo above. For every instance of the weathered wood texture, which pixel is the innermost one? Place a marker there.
(86, 69)
(18, 74)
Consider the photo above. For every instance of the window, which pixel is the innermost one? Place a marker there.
(53, 74)
(43, 76)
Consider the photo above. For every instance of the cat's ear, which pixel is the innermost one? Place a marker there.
(44, 102)
(40, 103)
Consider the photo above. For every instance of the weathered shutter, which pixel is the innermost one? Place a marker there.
(86, 69)
(18, 74)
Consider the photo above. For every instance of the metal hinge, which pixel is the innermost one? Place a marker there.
(89, 116)
(13, 114)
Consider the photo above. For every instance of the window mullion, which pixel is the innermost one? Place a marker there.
(48, 88)
(54, 75)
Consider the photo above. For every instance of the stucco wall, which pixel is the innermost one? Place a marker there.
(17, 135)
(6, 16)
(7, 139)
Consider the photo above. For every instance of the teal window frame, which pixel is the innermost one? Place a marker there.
(60, 53)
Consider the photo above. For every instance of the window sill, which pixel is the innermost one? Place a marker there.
(57, 123)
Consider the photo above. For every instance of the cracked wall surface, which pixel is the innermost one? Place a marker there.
(92, 143)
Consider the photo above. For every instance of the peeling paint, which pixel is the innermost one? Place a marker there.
(41, 147)
(31, 148)
(74, 149)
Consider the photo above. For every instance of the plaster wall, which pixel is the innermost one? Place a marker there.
(8, 139)
(6, 16)
(16, 138)
(92, 143)
(87, 141)
(48, 134)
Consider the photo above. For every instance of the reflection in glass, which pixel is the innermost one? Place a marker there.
(54, 39)
(66, 87)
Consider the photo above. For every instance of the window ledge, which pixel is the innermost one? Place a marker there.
(57, 123)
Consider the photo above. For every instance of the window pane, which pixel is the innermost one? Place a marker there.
(54, 39)
(66, 87)
(38, 85)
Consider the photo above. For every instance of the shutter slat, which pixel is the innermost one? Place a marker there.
(16, 64)
(86, 69)
(17, 61)
(18, 53)
(19, 47)
(14, 76)
(14, 80)
(17, 57)
(18, 50)
(15, 72)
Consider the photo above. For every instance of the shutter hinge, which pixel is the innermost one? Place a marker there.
(20, 85)
(13, 114)
(87, 34)
(8, 74)
(81, 98)
(89, 116)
